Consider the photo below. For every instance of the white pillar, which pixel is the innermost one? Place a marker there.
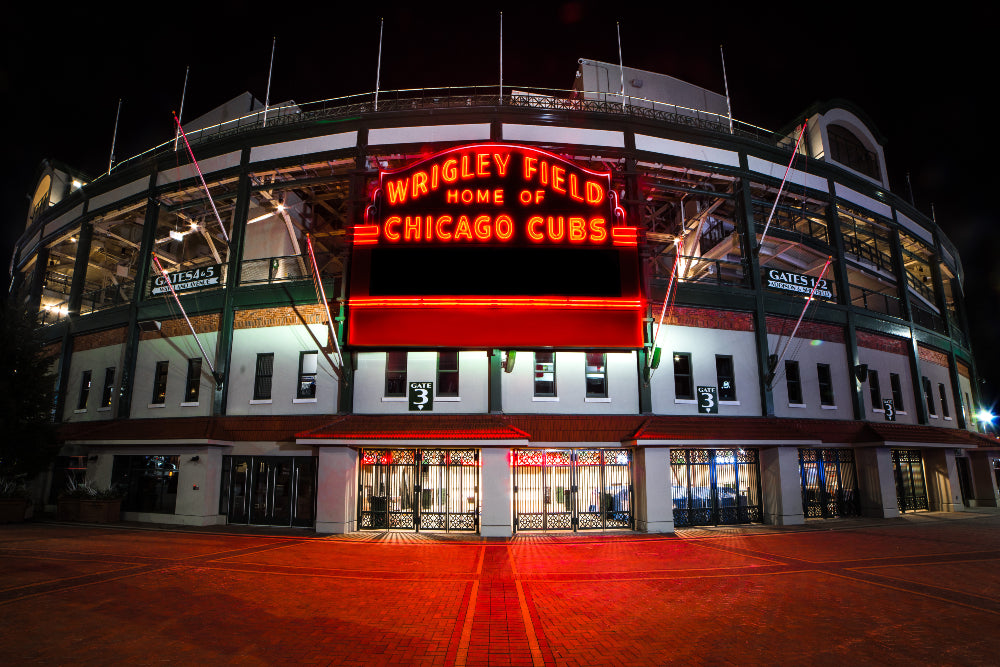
(496, 481)
(781, 486)
(337, 491)
(876, 482)
(943, 491)
(198, 488)
(984, 481)
(654, 505)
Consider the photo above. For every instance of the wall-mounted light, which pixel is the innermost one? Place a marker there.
(93, 458)
(861, 372)
(194, 458)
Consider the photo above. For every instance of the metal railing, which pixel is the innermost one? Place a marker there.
(698, 270)
(879, 302)
(107, 297)
(927, 318)
(867, 253)
(273, 270)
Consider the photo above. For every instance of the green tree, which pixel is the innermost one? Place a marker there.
(28, 442)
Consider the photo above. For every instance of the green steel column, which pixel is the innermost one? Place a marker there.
(495, 381)
(633, 211)
(899, 269)
(356, 203)
(84, 238)
(844, 294)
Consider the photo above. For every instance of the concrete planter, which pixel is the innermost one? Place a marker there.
(89, 511)
(13, 510)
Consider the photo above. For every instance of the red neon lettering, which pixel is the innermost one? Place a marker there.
(558, 179)
(525, 196)
(419, 183)
(428, 221)
(574, 188)
(411, 228)
(545, 172)
(534, 222)
(529, 167)
(501, 163)
(539, 196)
(556, 226)
(598, 231)
(466, 173)
(482, 196)
(434, 177)
(439, 229)
(390, 233)
(451, 196)
(449, 171)
(594, 192)
(577, 230)
(463, 230)
(466, 196)
(397, 190)
(498, 196)
(482, 164)
(504, 227)
(481, 227)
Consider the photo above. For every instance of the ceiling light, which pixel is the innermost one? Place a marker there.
(175, 235)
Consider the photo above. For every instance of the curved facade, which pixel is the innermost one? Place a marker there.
(531, 314)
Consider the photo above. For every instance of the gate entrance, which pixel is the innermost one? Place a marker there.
(567, 489)
(269, 490)
(419, 489)
(829, 483)
(715, 486)
(911, 492)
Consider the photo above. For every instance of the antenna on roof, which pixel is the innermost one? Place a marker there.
(621, 65)
(270, 69)
(378, 66)
(725, 80)
(180, 115)
(909, 185)
(114, 136)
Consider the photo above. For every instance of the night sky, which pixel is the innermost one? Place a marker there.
(924, 79)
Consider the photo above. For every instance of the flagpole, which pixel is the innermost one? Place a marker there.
(177, 134)
(378, 67)
(621, 65)
(270, 69)
(114, 136)
(725, 80)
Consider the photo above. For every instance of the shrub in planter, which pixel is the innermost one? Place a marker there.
(86, 502)
(14, 499)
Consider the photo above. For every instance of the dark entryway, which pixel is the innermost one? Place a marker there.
(269, 490)
(911, 491)
(829, 483)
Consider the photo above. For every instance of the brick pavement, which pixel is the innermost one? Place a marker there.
(922, 589)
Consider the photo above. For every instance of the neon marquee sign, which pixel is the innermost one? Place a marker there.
(494, 194)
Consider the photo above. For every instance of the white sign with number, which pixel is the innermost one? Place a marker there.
(708, 400)
(421, 396)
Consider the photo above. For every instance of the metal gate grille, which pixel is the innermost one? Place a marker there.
(829, 483)
(715, 486)
(911, 492)
(587, 489)
(410, 489)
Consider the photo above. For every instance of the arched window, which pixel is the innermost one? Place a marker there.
(847, 149)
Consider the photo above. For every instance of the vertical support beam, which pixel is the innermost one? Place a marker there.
(337, 493)
(634, 211)
(38, 280)
(224, 344)
(748, 241)
(844, 292)
(495, 386)
(876, 482)
(653, 502)
(497, 496)
(356, 202)
(913, 353)
(943, 491)
(781, 486)
(75, 297)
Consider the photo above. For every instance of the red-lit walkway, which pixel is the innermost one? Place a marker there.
(922, 589)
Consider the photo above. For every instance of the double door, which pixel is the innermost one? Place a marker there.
(829, 483)
(269, 490)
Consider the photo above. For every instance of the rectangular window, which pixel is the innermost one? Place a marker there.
(597, 375)
(545, 373)
(967, 410)
(793, 382)
(726, 377)
(874, 390)
(447, 375)
(262, 376)
(160, 383)
(81, 402)
(308, 368)
(395, 374)
(929, 396)
(193, 385)
(683, 380)
(897, 392)
(944, 400)
(825, 384)
(109, 387)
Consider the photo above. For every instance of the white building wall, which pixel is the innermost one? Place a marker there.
(177, 350)
(939, 375)
(97, 361)
(286, 343)
(703, 345)
(809, 353)
(965, 386)
(421, 366)
(886, 363)
(518, 386)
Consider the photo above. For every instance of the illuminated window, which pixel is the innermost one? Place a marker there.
(109, 387)
(874, 390)
(944, 401)
(683, 380)
(825, 384)
(447, 374)
(597, 375)
(929, 396)
(308, 367)
(160, 383)
(545, 373)
(81, 403)
(793, 382)
(395, 374)
(897, 392)
(726, 376)
(262, 377)
(193, 385)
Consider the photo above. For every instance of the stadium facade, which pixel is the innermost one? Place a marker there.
(495, 311)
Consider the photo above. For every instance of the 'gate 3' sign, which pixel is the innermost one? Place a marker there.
(495, 194)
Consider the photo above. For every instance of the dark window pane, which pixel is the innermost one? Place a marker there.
(597, 375)
(395, 374)
(874, 390)
(929, 396)
(308, 368)
(683, 382)
(160, 383)
(944, 400)
(447, 380)
(897, 392)
(793, 382)
(81, 403)
(193, 381)
(726, 377)
(109, 387)
(545, 373)
(825, 384)
(262, 377)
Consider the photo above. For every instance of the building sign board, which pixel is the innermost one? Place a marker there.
(185, 281)
(796, 282)
(421, 396)
(708, 400)
(889, 410)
